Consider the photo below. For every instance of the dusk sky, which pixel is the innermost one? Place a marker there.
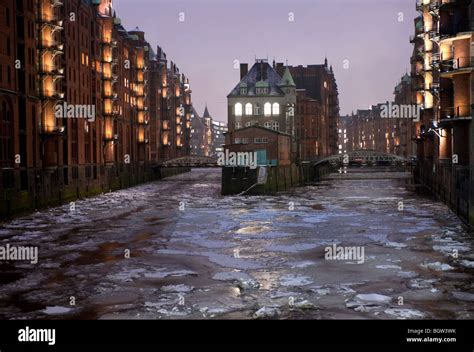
(215, 33)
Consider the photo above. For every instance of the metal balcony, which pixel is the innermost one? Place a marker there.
(456, 65)
(50, 95)
(53, 21)
(434, 35)
(110, 96)
(434, 6)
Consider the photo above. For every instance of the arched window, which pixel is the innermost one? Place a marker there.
(248, 109)
(6, 131)
(267, 109)
(276, 109)
(238, 109)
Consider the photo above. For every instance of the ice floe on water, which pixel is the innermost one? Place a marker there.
(368, 300)
(463, 296)
(267, 312)
(404, 313)
(248, 284)
(178, 288)
(56, 310)
(292, 248)
(395, 245)
(393, 267)
(407, 274)
(437, 266)
(295, 280)
(467, 264)
(231, 276)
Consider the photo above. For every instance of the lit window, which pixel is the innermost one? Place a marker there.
(248, 109)
(276, 109)
(238, 109)
(267, 109)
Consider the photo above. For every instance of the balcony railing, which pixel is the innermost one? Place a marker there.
(435, 60)
(50, 70)
(451, 29)
(434, 35)
(457, 64)
(111, 96)
(460, 111)
(50, 94)
(434, 6)
(54, 21)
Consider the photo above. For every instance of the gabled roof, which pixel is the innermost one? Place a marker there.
(256, 78)
(206, 112)
(287, 79)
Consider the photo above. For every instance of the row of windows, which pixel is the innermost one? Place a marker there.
(268, 109)
(272, 125)
(247, 140)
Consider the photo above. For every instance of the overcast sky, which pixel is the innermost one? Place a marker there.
(373, 35)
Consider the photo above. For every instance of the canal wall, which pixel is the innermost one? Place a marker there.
(15, 201)
(453, 184)
(244, 180)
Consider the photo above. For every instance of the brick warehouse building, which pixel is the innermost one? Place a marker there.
(367, 129)
(443, 75)
(319, 83)
(299, 101)
(71, 54)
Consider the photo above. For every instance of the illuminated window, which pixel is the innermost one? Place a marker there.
(238, 109)
(267, 109)
(276, 109)
(248, 109)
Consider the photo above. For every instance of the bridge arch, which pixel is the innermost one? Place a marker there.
(361, 155)
(194, 161)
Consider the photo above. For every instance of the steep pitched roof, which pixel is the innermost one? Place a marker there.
(261, 74)
(206, 112)
(287, 79)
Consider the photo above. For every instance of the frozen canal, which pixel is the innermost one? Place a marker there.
(195, 254)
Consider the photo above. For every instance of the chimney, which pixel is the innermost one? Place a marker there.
(280, 68)
(244, 69)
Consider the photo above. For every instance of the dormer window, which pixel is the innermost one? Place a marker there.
(261, 90)
(243, 90)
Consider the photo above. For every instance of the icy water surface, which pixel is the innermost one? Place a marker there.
(195, 254)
